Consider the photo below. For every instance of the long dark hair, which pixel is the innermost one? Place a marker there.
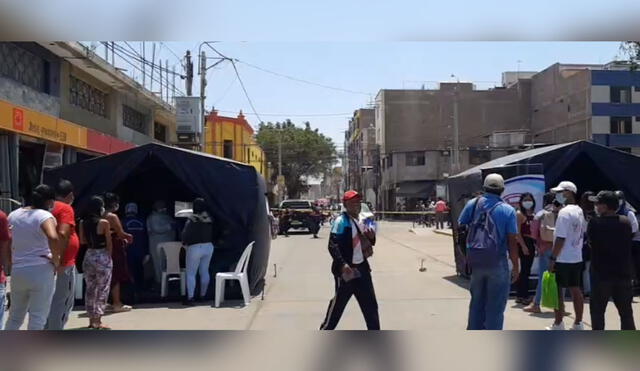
(522, 197)
(110, 200)
(93, 214)
(41, 195)
(199, 206)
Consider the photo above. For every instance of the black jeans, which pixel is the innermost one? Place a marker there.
(362, 288)
(439, 220)
(526, 261)
(621, 292)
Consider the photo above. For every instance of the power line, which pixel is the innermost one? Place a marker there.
(172, 52)
(294, 114)
(244, 89)
(304, 81)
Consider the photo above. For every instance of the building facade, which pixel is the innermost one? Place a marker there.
(360, 152)
(61, 103)
(416, 133)
(587, 102)
(233, 138)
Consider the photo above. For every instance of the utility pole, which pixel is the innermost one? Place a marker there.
(113, 53)
(203, 85)
(106, 51)
(173, 86)
(166, 75)
(153, 65)
(189, 73)
(144, 75)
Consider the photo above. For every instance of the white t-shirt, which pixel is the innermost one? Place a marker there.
(636, 236)
(570, 225)
(29, 244)
(358, 257)
(634, 223)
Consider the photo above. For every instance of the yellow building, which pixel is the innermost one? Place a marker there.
(233, 138)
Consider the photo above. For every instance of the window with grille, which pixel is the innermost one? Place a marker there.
(23, 66)
(134, 119)
(85, 96)
(160, 132)
(415, 158)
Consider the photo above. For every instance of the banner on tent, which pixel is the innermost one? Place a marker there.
(519, 179)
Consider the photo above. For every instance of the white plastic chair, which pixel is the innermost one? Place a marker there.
(172, 252)
(240, 275)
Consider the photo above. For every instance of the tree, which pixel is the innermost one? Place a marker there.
(305, 152)
(632, 51)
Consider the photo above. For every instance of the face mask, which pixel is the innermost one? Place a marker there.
(102, 211)
(527, 204)
(561, 198)
(621, 202)
(50, 208)
(116, 208)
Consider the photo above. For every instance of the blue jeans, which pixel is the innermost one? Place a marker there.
(198, 260)
(489, 295)
(543, 265)
(2, 303)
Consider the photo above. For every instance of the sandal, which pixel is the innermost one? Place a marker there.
(120, 309)
(533, 309)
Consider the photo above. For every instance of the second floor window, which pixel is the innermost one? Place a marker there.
(160, 132)
(621, 125)
(134, 119)
(621, 94)
(85, 96)
(415, 158)
(228, 149)
(24, 67)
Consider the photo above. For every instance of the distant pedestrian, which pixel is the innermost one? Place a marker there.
(119, 242)
(285, 222)
(95, 233)
(525, 215)
(542, 228)
(313, 222)
(566, 257)
(611, 273)
(35, 258)
(441, 209)
(350, 244)
(64, 294)
(5, 260)
(491, 238)
(198, 236)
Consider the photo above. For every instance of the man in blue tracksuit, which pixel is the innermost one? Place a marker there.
(138, 251)
(350, 244)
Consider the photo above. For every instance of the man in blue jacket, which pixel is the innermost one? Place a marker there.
(350, 244)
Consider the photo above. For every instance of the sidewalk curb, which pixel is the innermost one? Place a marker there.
(444, 233)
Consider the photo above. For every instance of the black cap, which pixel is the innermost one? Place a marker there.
(608, 198)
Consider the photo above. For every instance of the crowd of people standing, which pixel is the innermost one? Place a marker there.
(43, 245)
(590, 244)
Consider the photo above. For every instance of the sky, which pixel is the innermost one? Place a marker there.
(363, 68)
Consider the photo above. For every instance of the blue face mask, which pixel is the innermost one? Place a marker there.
(561, 198)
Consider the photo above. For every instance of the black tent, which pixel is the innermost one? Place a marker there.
(592, 167)
(235, 193)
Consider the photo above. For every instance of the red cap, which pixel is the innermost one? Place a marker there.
(351, 195)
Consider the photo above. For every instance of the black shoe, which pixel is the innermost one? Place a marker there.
(201, 299)
(188, 303)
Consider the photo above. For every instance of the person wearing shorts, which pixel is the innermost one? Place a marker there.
(566, 255)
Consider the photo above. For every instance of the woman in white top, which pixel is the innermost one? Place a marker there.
(35, 256)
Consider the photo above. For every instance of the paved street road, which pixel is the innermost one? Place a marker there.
(298, 296)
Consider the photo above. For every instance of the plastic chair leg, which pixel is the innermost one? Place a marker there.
(163, 285)
(183, 284)
(244, 284)
(219, 291)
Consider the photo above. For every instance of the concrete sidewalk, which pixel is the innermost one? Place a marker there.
(297, 298)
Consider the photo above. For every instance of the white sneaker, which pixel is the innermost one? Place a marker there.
(577, 327)
(555, 327)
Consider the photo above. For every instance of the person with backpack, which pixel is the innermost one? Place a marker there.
(492, 235)
(542, 228)
(566, 256)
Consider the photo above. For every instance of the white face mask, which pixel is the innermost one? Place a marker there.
(621, 202)
(102, 211)
(561, 198)
(527, 204)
